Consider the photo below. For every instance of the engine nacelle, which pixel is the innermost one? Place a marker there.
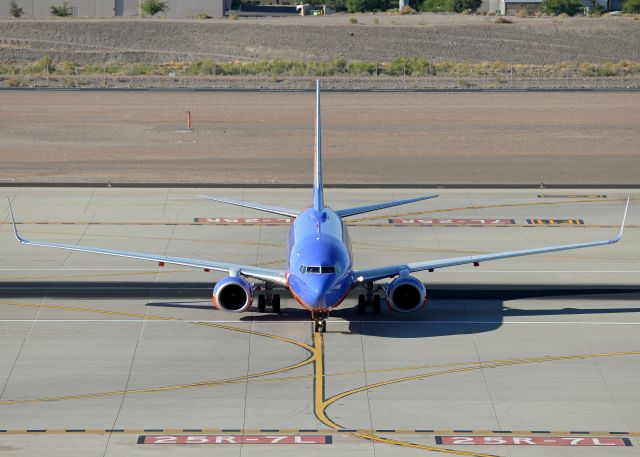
(233, 294)
(406, 294)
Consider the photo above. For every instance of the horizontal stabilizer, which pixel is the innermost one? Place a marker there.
(269, 209)
(377, 206)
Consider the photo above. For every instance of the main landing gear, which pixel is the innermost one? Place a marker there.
(369, 300)
(320, 321)
(269, 299)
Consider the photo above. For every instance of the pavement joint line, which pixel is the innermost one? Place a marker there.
(316, 357)
(335, 321)
(459, 432)
(476, 207)
(245, 378)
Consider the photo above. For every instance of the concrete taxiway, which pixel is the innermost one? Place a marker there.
(97, 351)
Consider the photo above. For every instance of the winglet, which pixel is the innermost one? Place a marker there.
(13, 223)
(624, 218)
(318, 199)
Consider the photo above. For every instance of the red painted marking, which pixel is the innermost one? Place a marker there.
(487, 221)
(234, 439)
(533, 440)
(243, 220)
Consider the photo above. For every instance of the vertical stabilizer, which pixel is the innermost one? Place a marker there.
(318, 199)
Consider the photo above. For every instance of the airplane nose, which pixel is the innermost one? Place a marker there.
(317, 291)
(316, 298)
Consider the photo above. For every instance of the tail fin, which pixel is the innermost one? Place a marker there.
(318, 199)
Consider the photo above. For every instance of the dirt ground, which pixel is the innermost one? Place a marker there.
(436, 37)
(390, 138)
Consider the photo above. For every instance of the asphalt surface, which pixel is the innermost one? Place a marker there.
(98, 351)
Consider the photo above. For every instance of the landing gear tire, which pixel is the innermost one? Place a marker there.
(362, 304)
(376, 304)
(320, 326)
(275, 304)
(262, 303)
(320, 320)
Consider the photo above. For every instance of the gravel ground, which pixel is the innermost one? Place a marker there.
(435, 37)
(368, 138)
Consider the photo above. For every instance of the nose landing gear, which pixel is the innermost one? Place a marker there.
(320, 321)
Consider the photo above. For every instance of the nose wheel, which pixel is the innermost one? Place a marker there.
(320, 321)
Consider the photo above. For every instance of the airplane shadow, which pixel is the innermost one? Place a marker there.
(452, 309)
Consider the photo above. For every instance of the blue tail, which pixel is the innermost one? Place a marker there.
(318, 199)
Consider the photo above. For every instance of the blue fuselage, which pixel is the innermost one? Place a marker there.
(319, 270)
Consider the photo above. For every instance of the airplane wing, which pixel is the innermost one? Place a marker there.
(265, 274)
(374, 274)
(269, 209)
(368, 208)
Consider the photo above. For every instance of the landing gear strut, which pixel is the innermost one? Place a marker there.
(269, 299)
(369, 299)
(320, 321)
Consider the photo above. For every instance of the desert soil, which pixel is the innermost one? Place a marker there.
(436, 37)
(391, 138)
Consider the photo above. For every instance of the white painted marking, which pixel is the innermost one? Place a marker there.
(451, 270)
(178, 321)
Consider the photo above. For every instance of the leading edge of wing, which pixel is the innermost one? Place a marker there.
(275, 276)
(268, 208)
(376, 206)
(394, 270)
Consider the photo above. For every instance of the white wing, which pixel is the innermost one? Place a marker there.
(265, 274)
(374, 274)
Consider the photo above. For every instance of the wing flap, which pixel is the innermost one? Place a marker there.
(375, 274)
(275, 276)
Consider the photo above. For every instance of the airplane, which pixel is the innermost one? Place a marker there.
(320, 272)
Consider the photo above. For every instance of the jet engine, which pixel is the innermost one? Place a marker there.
(406, 294)
(233, 294)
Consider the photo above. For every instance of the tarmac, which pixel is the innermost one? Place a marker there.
(99, 356)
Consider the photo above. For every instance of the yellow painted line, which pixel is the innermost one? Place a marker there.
(316, 352)
(508, 362)
(133, 236)
(290, 431)
(207, 383)
(62, 276)
(320, 406)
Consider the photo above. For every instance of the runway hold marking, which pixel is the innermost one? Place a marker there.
(533, 441)
(555, 221)
(467, 208)
(244, 220)
(235, 439)
(571, 196)
(317, 359)
(321, 404)
(452, 221)
(322, 431)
